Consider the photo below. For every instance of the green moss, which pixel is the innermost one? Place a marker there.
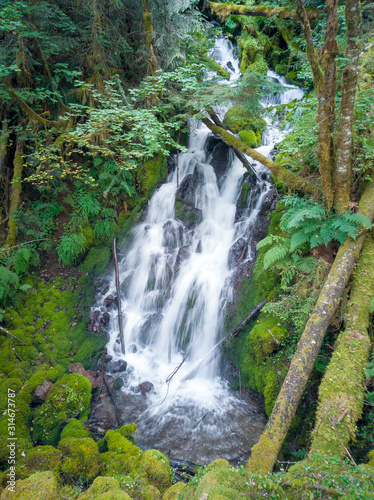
(214, 66)
(156, 467)
(97, 260)
(239, 119)
(68, 396)
(75, 429)
(371, 458)
(114, 464)
(174, 492)
(81, 458)
(186, 212)
(265, 337)
(41, 486)
(153, 172)
(118, 443)
(99, 486)
(252, 139)
(39, 459)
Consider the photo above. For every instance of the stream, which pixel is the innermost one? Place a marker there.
(177, 276)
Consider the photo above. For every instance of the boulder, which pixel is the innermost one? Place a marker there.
(108, 301)
(118, 366)
(41, 392)
(90, 375)
(146, 386)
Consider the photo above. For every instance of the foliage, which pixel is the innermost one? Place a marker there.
(306, 225)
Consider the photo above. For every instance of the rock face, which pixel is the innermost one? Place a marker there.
(221, 156)
(41, 392)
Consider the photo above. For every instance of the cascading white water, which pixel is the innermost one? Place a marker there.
(176, 279)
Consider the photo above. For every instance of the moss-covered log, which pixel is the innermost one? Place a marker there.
(342, 390)
(224, 10)
(265, 452)
(15, 196)
(292, 181)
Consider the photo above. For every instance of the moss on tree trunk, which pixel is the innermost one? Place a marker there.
(265, 452)
(15, 196)
(224, 10)
(342, 390)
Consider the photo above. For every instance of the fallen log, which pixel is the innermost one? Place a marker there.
(292, 181)
(265, 452)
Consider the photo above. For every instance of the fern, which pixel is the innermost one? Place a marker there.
(276, 254)
(71, 247)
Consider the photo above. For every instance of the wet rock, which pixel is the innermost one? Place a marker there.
(118, 366)
(108, 301)
(199, 247)
(146, 386)
(183, 254)
(187, 187)
(268, 202)
(107, 358)
(105, 318)
(90, 375)
(118, 383)
(222, 156)
(41, 392)
(236, 251)
(187, 213)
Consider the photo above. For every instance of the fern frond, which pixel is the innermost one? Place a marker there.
(276, 254)
(298, 239)
(269, 240)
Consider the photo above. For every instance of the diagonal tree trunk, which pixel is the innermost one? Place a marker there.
(342, 389)
(292, 181)
(342, 173)
(265, 452)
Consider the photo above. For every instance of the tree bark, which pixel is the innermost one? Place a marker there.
(3, 144)
(342, 172)
(224, 10)
(15, 197)
(265, 452)
(152, 64)
(325, 90)
(342, 390)
(292, 181)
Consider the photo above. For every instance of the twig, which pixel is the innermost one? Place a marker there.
(6, 331)
(24, 243)
(177, 368)
(120, 323)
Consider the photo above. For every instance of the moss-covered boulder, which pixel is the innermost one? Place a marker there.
(239, 118)
(114, 464)
(101, 486)
(174, 492)
(153, 172)
(118, 443)
(39, 459)
(75, 429)
(68, 397)
(40, 486)
(156, 468)
(80, 458)
(252, 139)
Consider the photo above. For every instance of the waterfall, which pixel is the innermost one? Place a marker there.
(176, 279)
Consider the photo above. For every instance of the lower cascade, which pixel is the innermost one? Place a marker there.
(177, 276)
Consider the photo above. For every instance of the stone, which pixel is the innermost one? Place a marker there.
(105, 318)
(221, 158)
(118, 383)
(41, 392)
(108, 301)
(146, 386)
(118, 366)
(107, 358)
(90, 375)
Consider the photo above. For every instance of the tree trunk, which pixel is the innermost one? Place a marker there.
(3, 144)
(292, 181)
(342, 173)
(15, 197)
(342, 390)
(224, 10)
(152, 64)
(265, 452)
(325, 86)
